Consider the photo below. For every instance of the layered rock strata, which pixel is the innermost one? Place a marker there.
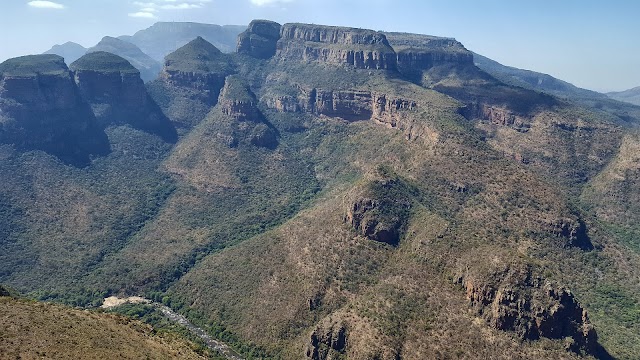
(362, 49)
(41, 109)
(117, 94)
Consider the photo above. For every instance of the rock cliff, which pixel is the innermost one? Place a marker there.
(417, 53)
(513, 299)
(362, 49)
(259, 40)
(246, 124)
(41, 109)
(117, 94)
(194, 76)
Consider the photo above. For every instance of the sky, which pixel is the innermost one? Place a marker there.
(593, 44)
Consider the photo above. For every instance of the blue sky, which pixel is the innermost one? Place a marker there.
(593, 44)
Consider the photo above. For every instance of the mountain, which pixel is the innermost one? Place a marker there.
(190, 82)
(41, 109)
(631, 96)
(335, 192)
(148, 67)
(40, 330)
(532, 80)
(70, 51)
(116, 93)
(163, 38)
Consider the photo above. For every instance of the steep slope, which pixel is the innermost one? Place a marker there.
(347, 194)
(163, 38)
(560, 139)
(70, 51)
(148, 67)
(190, 82)
(533, 80)
(40, 330)
(632, 96)
(117, 94)
(41, 109)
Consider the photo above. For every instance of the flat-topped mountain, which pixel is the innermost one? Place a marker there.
(148, 67)
(117, 94)
(70, 51)
(41, 108)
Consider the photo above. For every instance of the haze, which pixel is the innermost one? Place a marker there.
(591, 44)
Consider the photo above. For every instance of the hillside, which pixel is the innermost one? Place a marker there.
(163, 38)
(631, 96)
(532, 80)
(337, 193)
(70, 51)
(40, 330)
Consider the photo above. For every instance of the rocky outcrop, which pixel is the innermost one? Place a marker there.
(41, 109)
(573, 231)
(328, 341)
(259, 40)
(380, 209)
(514, 300)
(194, 76)
(362, 49)
(117, 95)
(498, 115)
(247, 124)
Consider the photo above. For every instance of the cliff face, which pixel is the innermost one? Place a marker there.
(41, 108)
(117, 94)
(515, 300)
(259, 40)
(247, 124)
(194, 76)
(417, 53)
(362, 49)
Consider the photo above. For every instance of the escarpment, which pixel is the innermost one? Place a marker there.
(514, 299)
(117, 94)
(362, 49)
(192, 76)
(41, 109)
(417, 53)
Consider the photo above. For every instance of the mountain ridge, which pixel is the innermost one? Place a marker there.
(344, 193)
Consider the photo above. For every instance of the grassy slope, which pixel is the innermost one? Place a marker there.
(40, 330)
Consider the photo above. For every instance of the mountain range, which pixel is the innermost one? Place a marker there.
(325, 192)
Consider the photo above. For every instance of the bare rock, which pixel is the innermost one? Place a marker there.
(259, 40)
(360, 48)
(328, 341)
(515, 300)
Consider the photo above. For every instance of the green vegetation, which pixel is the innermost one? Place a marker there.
(102, 61)
(255, 245)
(32, 65)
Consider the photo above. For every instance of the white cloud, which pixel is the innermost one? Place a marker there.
(142, 14)
(269, 2)
(40, 4)
(183, 6)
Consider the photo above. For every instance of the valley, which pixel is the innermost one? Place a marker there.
(321, 192)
